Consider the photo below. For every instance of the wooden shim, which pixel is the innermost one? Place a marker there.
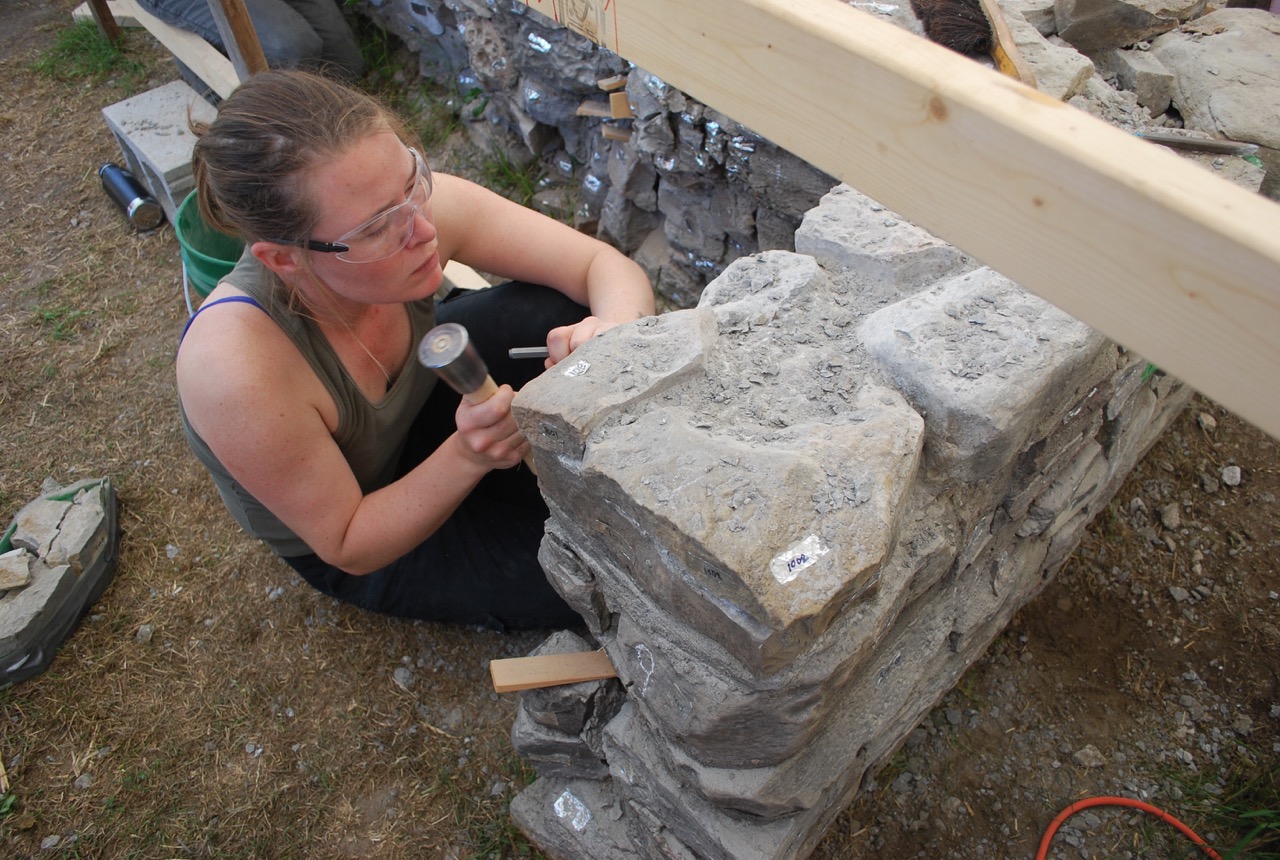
(611, 83)
(202, 58)
(593, 108)
(1156, 252)
(620, 105)
(464, 277)
(549, 670)
(612, 132)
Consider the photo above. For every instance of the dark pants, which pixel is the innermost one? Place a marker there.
(481, 566)
(309, 34)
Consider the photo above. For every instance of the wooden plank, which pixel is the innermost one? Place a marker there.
(238, 36)
(549, 670)
(85, 12)
(106, 21)
(464, 277)
(201, 57)
(1157, 253)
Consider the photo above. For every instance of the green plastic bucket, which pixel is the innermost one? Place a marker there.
(208, 255)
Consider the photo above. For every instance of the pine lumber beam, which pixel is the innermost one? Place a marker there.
(201, 57)
(549, 670)
(241, 40)
(1155, 252)
(101, 13)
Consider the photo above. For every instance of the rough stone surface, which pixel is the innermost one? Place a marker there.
(64, 543)
(795, 514)
(1142, 73)
(1096, 25)
(1225, 73)
(15, 568)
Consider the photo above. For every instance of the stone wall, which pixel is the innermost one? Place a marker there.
(796, 511)
(690, 191)
(793, 516)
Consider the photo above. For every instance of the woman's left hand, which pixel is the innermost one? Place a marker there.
(565, 339)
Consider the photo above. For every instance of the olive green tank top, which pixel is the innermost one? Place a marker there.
(370, 435)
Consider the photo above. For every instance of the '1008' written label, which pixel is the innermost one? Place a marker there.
(797, 557)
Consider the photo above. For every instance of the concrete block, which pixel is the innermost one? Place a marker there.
(154, 135)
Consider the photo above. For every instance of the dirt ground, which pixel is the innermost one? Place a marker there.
(211, 705)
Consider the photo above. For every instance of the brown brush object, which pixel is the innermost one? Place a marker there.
(960, 25)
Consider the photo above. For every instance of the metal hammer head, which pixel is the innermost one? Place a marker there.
(447, 350)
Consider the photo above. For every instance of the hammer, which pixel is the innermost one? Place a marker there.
(447, 350)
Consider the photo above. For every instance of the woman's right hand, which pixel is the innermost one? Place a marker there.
(487, 432)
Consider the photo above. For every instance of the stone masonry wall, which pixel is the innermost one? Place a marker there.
(793, 516)
(688, 193)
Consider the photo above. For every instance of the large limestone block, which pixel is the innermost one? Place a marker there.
(1060, 71)
(771, 475)
(685, 677)
(1227, 80)
(574, 818)
(989, 364)
(850, 231)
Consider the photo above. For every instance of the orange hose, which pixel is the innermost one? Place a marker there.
(1119, 801)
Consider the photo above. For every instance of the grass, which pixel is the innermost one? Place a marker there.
(1250, 807)
(1240, 800)
(513, 181)
(82, 52)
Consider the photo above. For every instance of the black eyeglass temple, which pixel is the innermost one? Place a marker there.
(327, 247)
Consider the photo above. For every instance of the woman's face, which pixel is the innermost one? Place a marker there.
(377, 174)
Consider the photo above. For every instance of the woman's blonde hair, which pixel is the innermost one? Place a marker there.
(276, 126)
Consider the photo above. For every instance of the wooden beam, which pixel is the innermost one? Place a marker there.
(105, 20)
(549, 670)
(201, 57)
(1157, 253)
(238, 37)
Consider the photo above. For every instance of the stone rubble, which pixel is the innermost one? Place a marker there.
(57, 558)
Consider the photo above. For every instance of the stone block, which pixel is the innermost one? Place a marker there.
(849, 231)
(153, 131)
(986, 361)
(1091, 26)
(1142, 74)
(15, 568)
(21, 609)
(555, 753)
(574, 818)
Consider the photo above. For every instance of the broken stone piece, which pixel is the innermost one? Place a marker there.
(15, 568)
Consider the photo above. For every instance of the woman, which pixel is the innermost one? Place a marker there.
(298, 379)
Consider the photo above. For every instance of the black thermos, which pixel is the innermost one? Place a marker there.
(142, 210)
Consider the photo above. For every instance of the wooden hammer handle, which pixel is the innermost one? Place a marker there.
(487, 389)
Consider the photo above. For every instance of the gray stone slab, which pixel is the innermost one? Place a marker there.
(573, 819)
(849, 231)
(989, 364)
(22, 609)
